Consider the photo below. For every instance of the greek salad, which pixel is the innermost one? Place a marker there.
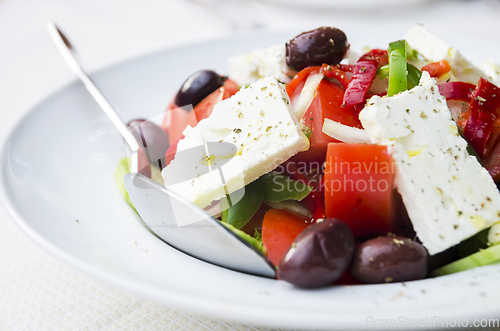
(341, 167)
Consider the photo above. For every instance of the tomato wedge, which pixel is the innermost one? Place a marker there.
(492, 163)
(279, 229)
(205, 107)
(327, 103)
(436, 69)
(315, 200)
(170, 155)
(175, 121)
(359, 187)
(300, 78)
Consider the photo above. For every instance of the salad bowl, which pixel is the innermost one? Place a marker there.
(57, 182)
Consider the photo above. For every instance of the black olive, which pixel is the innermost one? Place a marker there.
(389, 259)
(319, 255)
(313, 48)
(152, 140)
(198, 86)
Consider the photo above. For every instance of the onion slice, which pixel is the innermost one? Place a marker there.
(345, 133)
(307, 94)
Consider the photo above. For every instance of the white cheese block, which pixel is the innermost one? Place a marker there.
(494, 234)
(492, 71)
(448, 194)
(434, 48)
(245, 69)
(261, 125)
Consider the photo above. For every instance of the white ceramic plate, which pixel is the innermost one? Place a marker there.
(57, 167)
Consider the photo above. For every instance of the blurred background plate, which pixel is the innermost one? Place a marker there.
(347, 4)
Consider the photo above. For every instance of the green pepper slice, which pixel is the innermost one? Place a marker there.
(397, 68)
(412, 78)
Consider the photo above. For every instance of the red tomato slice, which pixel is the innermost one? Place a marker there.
(170, 155)
(177, 119)
(205, 107)
(279, 229)
(327, 103)
(231, 86)
(359, 187)
(300, 78)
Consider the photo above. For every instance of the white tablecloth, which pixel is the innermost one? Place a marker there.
(36, 291)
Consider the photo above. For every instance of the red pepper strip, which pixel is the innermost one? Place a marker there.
(363, 73)
(170, 155)
(379, 55)
(487, 97)
(334, 72)
(301, 76)
(480, 117)
(477, 130)
(314, 200)
(457, 90)
(436, 69)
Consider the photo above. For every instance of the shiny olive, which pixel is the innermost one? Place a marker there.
(313, 48)
(319, 255)
(198, 86)
(152, 140)
(389, 259)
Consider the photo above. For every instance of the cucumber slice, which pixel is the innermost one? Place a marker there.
(484, 257)
(121, 170)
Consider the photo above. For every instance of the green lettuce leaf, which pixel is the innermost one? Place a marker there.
(486, 256)
(121, 170)
(278, 187)
(272, 187)
(240, 213)
(255, 242)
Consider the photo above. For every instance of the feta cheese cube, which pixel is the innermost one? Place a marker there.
(261, 126)
(434, 49)
(448, 194)
(245, 69)
(494, 234)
